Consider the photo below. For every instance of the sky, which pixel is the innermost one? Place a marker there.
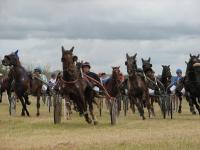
(102, 31)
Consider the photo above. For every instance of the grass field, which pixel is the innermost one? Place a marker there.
(181, 133)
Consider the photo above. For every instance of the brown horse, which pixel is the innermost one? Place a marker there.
(20, 78)
(151, 80)
(137, 89)
(112, 85)
(36, 90)
(74, 87)
(4, 87)
(22, 82)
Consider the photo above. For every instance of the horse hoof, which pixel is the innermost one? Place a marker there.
(194, 112)
(28, 102)
(143, 118)
(179, 111)
(22, 114)
(38, 114)
(89, 121)
(95, 123)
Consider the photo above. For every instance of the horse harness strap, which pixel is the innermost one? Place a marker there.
(68, 82)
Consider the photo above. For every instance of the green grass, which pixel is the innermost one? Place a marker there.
(181, 133)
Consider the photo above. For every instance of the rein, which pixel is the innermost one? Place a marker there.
(98, 83)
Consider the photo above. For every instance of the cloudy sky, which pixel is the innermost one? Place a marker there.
(102, 31)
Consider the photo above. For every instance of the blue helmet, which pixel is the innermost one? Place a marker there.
(178, 71)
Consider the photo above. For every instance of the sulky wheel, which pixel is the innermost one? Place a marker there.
(113, 111)
(57, 108)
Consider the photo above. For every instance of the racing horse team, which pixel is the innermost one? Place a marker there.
(78, 84)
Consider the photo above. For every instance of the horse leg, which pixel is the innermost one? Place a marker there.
(38, 104)
(140, 107)
(150, 107)
(196, 104)
(90, 100)
(191, 105)
(149, 103)
(67, 108)
(24, 102)
(176, 98)
(132, 105)
(91, 109)
(23, 106)
(9, 100)
(0, 96)
(180, 104)
(82, 107)
(26, 99)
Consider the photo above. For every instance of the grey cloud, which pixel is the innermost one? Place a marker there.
(99, 20)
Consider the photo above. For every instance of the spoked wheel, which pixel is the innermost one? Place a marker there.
(113, 111)
(57, 108)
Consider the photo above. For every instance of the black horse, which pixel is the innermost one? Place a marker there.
(20, 79)
(166, 77)
(152, 81)
(192, 81)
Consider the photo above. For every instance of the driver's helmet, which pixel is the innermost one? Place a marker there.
(38, 69)
(178, 71)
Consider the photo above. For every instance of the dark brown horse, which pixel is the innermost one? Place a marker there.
(74, 87)
(36, 90)
(192, 81)
(113, 84)
(22, 82)
(20, 78)
(152, 81)
(137, 89)
(166, 76)
(4, 87)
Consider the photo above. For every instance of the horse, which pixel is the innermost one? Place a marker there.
(137, 88)
(166, 76)
(22, 82)
(4, 87)
(20, 79)
(70, 85)
(192, 80)
(152, 81)
(36, 89)
(112, 85)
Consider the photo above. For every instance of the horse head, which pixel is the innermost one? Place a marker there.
(194, 63)
(11, 59)
(166, 73)
(67, 57)
(68, 60)
(146, 64)
(131, 64)
(116, 73)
